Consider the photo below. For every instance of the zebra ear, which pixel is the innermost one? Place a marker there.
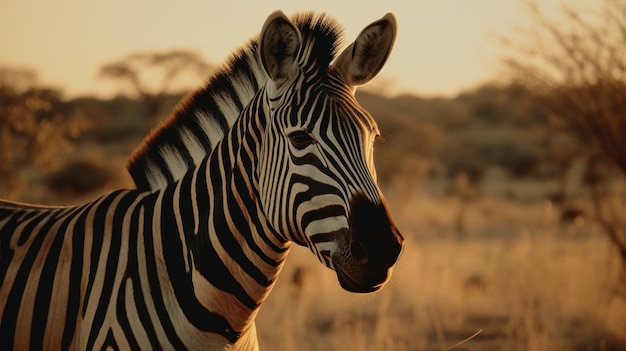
(279, 42)
(363, 59)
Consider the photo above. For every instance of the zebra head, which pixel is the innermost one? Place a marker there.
(317, 181)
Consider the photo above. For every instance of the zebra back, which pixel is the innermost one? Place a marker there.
(201, 120)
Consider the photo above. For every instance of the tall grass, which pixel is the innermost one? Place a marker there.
(547, 287)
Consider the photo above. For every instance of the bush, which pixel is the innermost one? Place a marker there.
(78, 177)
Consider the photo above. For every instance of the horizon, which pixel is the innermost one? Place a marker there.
(442, 49)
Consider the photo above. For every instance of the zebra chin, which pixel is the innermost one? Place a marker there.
(366, 286)
(369, 249)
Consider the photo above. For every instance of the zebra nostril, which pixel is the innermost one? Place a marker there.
(358, 252)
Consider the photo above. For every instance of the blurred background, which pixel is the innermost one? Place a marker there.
(503, 160)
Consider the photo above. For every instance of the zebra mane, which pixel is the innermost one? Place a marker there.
(201, 119)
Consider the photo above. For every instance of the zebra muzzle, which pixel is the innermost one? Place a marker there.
(373, 244)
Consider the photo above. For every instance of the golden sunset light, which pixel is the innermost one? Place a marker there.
(443, 47)
(289, 175)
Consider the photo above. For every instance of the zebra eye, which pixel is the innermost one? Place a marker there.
(301, 139)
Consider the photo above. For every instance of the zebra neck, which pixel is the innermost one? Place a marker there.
(237, 256)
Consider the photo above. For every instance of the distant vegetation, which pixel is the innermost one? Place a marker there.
(151, 76)
(576, 69)
(490, 129)
(490, 132)
(37, 128)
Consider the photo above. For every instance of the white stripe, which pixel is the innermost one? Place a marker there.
(227, 106)
(154, 176)
(192, 144)
(174, 161)
(210, 127)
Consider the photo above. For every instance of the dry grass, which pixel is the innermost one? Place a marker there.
(518, 275)
(544, 286)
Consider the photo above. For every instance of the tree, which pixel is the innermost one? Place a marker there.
(577, 67)
(151, 75)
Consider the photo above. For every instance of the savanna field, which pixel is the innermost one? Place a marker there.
(541, 285)
(502, 248)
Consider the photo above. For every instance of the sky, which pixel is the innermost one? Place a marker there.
(443, 47)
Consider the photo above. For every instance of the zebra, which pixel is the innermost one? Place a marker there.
(185, 260)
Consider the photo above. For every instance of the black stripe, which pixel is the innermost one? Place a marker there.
(137, 171)
(109, 342)
(198, 132)
(76, 272)
(46, 286)
(211, 108)
(122, 317)
(112, 261)
(181, 149)
(225, 89)
(97, 237)
(181, 279)
(207, 260)
(185, 208)
(132, 271)
(14, 299)
(243, 221)
(6, 233)
(153, 278)
(34, 217)
(241, 66)
(321, 213)
(236, 216)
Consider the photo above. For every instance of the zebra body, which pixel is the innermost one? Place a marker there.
(186, 259)
(128, 286)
